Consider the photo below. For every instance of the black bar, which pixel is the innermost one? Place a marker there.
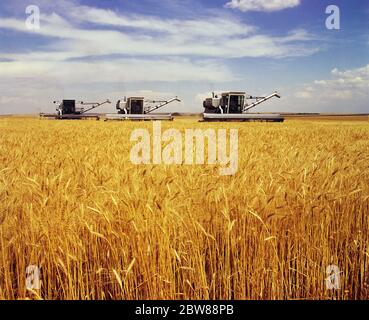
(184, 309)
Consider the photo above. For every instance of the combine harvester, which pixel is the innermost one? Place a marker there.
(67, 110)
(233, 106)
(139, 109)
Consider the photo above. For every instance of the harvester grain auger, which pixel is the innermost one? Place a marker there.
(137, 108)
(68, 110)
(234, 106)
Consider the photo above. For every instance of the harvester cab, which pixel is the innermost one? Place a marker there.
(132, 105)
(229, 102)
(234, 106)
(66, 107)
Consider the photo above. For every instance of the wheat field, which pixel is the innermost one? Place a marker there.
(100, 227)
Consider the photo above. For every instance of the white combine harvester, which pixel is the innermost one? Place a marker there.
(74, 110)
(234, 106)
(137, 108)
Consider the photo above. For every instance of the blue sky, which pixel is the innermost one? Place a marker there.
(93, 50)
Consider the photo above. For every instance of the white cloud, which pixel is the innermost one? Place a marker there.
(304, 94)
(219, 37)
(117, 70)
(262, 5)
(217, 26)
(344, 85)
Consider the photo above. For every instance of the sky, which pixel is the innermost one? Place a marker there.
(92, 50)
